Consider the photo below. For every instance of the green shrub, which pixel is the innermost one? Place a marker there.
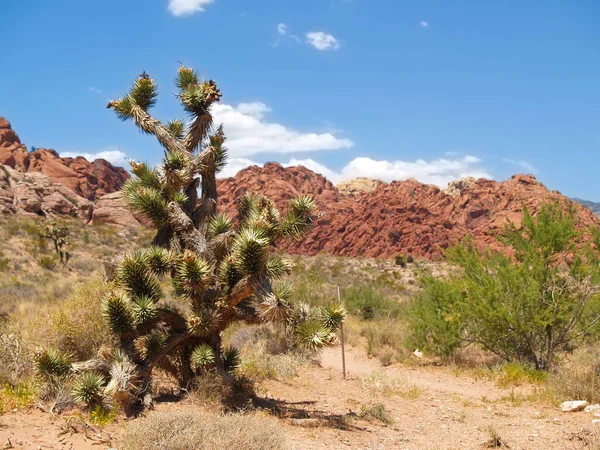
(433, 324)
(368, 303)
(400, 260)
(522, 307)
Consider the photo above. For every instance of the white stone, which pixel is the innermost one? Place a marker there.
(592, 409)
(573, 406)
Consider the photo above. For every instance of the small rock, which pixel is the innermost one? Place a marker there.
(592, 408)
(573, 406)
(418, 354)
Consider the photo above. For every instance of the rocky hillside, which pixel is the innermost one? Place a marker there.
(401, 217)
(87, 179)
(359, 218)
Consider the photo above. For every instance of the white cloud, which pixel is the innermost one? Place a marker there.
(254, 109)
(186, 7)
(95, 90)
(315, 167)
(424, 24)
(439, 171)
(322, 41)
(523, 164)
(282, 29)
(113, 155)
(248, 133)
(234, 165)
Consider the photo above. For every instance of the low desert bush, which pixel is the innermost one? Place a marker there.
(516, 374)
(185, 430)
(386, 339)
(576, 383)
(14, 358)
(376, 413)
(47, 262)
(77, 326)
(17, 396)
(366, 302)
(266, 352)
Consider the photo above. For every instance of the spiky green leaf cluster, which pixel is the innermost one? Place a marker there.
(299, 217)
(143, 93)
(136, 278)
(251, 250)
(313, 334)
(219, 224)
(88, 387)
(193, 274)
(143, 309)
(116, 308)
(148, 201)
(203, 356)
(52, 362)
(177, 128)
(332, 315)
(231, 359)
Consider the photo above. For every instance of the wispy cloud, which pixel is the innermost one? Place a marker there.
(112, 154)
(282, 29)
(522, 164)
(283, 32)
(322, 41)
(186, 7)
(424, 24)
(95, 90)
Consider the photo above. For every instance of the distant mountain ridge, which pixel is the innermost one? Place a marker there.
(87, 179)
(358, 218)
(592, 206)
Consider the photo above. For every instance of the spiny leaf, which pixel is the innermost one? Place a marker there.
(144, 309)
(88, 388)
(231, 359)
(143, 93)
(176, 128)
(219, 224)
(53, 363)
(332, 315)
(134, 274)
(203, 356)
(313, 335)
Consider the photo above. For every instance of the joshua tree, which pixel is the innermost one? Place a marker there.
(222, 270)
(61, 237)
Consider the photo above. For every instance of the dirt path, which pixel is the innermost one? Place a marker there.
(34, 429)
(445, 412)
(430, 408)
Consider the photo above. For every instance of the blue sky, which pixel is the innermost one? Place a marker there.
(434, 89)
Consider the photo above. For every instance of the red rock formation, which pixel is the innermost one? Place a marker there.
(87, 179)
(402, 217)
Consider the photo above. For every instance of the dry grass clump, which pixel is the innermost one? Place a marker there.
(185, 430)
(380, 383)
(14, 358)
(376, 413)
(266, 352)
(77, 326)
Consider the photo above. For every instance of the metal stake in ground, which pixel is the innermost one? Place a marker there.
(342, 337)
